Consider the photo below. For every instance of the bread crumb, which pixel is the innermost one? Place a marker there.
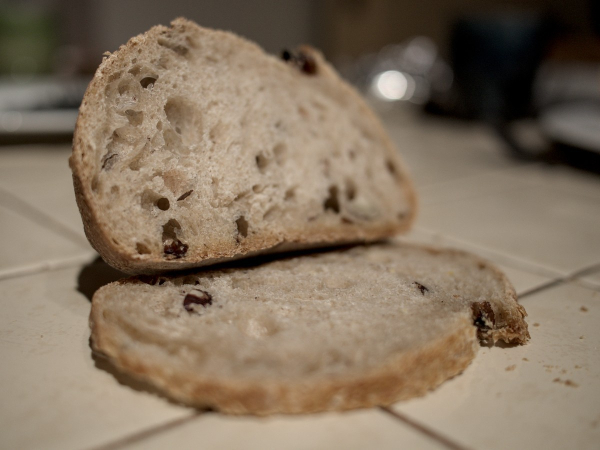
(511, 368)
(525, 359)
(583, 309)
(577, 366)
(580, 337)
(566, 382)
(536, 324)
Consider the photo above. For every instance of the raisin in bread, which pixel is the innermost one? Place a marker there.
(331, 331)
(194, 146)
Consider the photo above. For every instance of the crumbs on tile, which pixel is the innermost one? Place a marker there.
(566, 382)
(583, 309)
(536, 324)
(525, 359)
(511, 368)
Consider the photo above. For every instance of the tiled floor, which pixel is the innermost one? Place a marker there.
(539, 224)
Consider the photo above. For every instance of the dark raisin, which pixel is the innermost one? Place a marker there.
(196, 297)
(185, 195)
(422, 288)
(175, 248)
(303, 61)
(309, 65)
(332, 202)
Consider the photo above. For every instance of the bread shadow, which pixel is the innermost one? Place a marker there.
(95, 275)
(102, 363)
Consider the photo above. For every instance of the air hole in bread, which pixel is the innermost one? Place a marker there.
(269, 213)
(142, 249)
(174, 143)
(170, 230)
(332, 201)
(135, 118)
(242, 226)
(184, 120)
(262, 162)
(114, 190)
(181, 50)
(159, 125)
(125, 86)
(148, 82)
(350, 190)
(109, 160)
(149, 199)
(258, 188)
(290, 194)
(303, 112)
(185, 195)
(351, 155)
(279, 152)
(94, 183)
(163, 204)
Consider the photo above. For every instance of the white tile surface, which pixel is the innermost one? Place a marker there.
(27, 245)
(52, 395)
(592, 280)
(542, 395)
(41, 177)
(438, 150)
(364, 429)
(556, 229)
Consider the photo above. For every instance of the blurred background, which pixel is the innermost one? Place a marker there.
(528, 69)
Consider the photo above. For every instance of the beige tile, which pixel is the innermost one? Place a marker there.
(28, 246)
(555, 229)
(440, 150)
(542, 395)
(352, 430)
(41, 177)
(523, 277)
(52, 394)
(591, 281)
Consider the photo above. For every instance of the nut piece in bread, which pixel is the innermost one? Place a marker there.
(194, 146)
(331, 331)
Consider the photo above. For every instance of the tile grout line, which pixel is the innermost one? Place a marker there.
(423, 429)
(574, 276)
(25, 209)
(511, 261)
(147, 433)
(46, 266)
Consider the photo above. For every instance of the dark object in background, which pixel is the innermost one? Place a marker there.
(495, 58)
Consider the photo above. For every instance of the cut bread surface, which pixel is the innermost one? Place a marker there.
(193, 146)
(331, 331)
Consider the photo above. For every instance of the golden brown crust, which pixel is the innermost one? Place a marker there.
(410, 374)
(100, 233)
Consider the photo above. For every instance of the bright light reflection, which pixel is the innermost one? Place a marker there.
(393, 85)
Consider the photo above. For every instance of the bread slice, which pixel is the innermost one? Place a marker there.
(331, 331)
(194, 146)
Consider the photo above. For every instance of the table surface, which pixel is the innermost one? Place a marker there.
(539, 223)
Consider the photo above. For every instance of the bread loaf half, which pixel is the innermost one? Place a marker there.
(331, 331)
(194, 146)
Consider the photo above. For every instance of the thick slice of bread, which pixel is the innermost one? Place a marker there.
(331, 331)
(193, 146)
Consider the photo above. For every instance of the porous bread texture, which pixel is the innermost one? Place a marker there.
(331, 331)
(194, 146)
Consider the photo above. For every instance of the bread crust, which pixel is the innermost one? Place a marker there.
(410, 375)
(100, 232)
